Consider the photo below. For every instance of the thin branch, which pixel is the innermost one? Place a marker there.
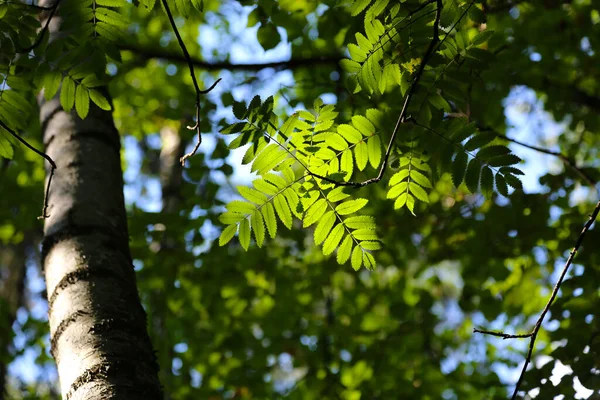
(158, 53)
(569, 162)
(199, 92)
(34, 6)
(533, 335)
(40, 36)
(402, 118)
(41, 154)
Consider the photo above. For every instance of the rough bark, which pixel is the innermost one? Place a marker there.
(98, 329)
(97, 324)
(12, 277)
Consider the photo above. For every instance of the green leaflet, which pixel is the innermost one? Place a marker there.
(374, 150)
(6, 149)
(357, 258)
(333, 239)
(360, 222)
(258, 227)
(361, 152)
(351, 206)
(283, 211)
(324, 227)
(244, 233)
(345, 250)
(67, 94)
(227, 234)
(269, 219)
(252, 195)
(315, 212)
(82, 101)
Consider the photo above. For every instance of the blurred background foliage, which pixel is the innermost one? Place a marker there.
(286, 322)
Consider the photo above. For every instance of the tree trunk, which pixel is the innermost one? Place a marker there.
(12, 277)
(97, 324)
(98, 329)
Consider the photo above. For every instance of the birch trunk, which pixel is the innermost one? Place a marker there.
(98, 327)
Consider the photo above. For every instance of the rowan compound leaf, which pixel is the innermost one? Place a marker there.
(283, 210)
(269, 218)
(333, 239)
(227, 234)
(351, 206)
(258, 227)
(315, 212)
(244, 234)
(324, 227)
(345, 250)
(361, 152)
(357, 258)
(374, 144)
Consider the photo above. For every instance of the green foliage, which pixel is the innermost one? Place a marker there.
(281, 319)
(317, 154)
(297, 162)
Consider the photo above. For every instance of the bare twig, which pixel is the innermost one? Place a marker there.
(40, 36)
(533, 335)
(159, 53)
(199, 92)
(569, 162)
(41, 154)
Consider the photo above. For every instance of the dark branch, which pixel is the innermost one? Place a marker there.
(199, 92)
(158, 53)
(533, 335)
(40, 36)
(41, 154)
(569, 162)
